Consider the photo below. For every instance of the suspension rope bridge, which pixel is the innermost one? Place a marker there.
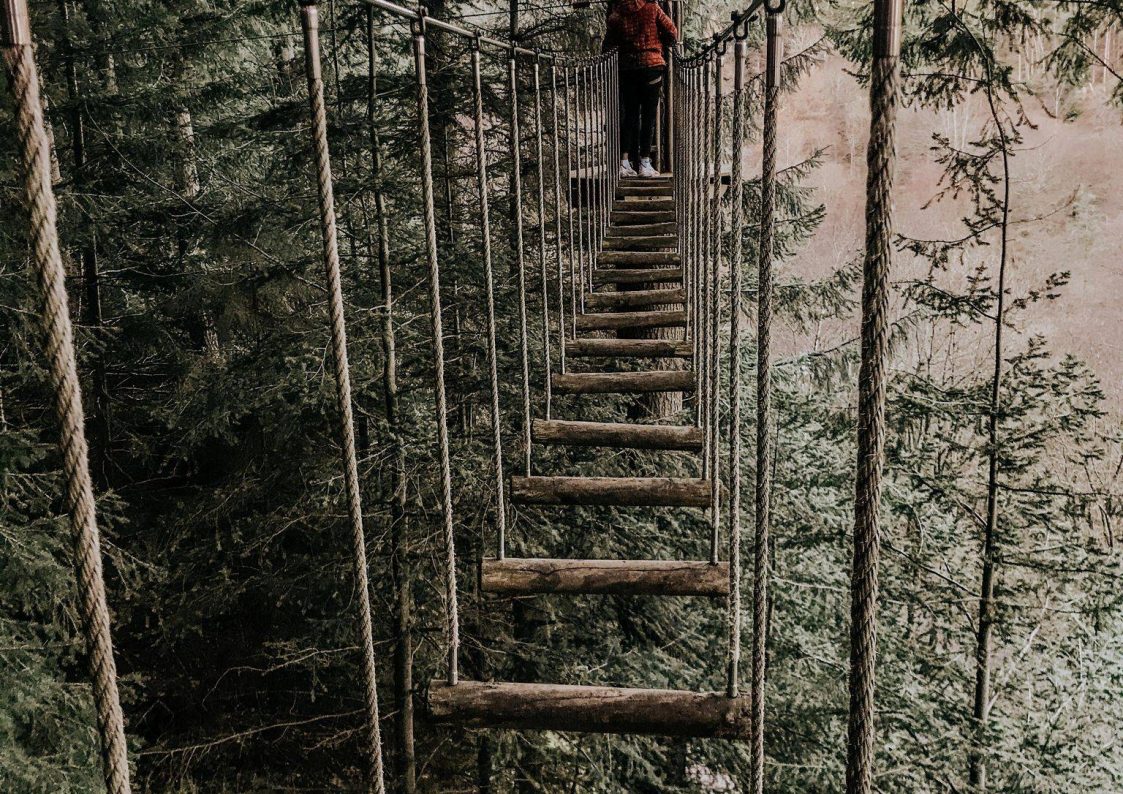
(630, 277)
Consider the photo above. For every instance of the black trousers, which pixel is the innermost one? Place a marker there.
(639, 103)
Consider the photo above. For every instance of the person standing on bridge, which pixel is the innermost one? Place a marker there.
(639, 30)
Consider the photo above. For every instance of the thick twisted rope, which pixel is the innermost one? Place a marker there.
(881, 156)
(705, 220)
(489, 277)
(714, 363)
(737, 223)
(774, 57)
(310, 23)
(35, 152)
(437, 327)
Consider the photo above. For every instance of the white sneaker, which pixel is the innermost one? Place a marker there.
(626, 169)
(646, 169)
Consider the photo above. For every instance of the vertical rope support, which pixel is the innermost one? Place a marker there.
(880, 159)
(736, 229)
(520, 263)
(35, 153)
(540, 162)
(309, 18)
(489, 277)
(714, 363)
(555, 132)
(773, 59)
(452, 609)
(580, 190)
(701, 345)
(569, 203)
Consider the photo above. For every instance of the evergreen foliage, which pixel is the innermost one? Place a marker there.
(188, 215)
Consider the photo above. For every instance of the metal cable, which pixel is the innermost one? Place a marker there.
(880, 159)
(54, 317)
(310, 23)
(437, 327)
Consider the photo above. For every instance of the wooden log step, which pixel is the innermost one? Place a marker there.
(648, 275)
(611, 491)
(662, 188)
(617, 321)
(623, 382)
(646, 204)
(621, 435)
(634, 299)
(609, 577)
(625, 217)
(642, 230)
(638, 258)
(628, 348)
(589, 709)
(637, 242)
(631, 181)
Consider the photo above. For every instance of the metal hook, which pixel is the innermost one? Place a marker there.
(775, 9)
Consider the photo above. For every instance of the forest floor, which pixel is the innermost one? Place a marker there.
(1067, 210)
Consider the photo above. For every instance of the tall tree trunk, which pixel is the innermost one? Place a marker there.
(977, 770)
(405, 758)
(99, 419)
(187, 176)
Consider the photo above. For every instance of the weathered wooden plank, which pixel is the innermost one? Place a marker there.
(617, 491)
(652, 275)
(638, 258)
(663, 188)
(646, 204)
(628, 348)
(636, 242)
(614, 321)
(589, 709)
(617, 434)
(623, 382)
(634, 299)
(512, 576)
(641, 230)
(634, 181)
(625, 216)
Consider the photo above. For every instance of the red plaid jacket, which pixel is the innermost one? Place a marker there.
(640, 30)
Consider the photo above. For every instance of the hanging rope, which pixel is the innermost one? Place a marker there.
(520, 264)
(489, 277)
(35, 153)
(540, 159)
(437, 327)
(773, 59)
(558, 257)
(572, 209)
(881, 156)
(310, 23)
(736, 228)
(713, 365)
